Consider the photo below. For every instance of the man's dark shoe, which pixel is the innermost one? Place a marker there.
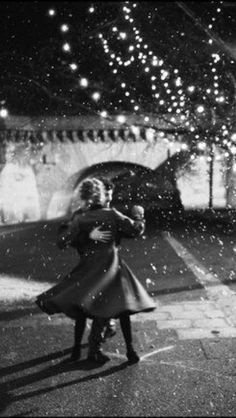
(132, 356)
(76, 354)
(98, 357)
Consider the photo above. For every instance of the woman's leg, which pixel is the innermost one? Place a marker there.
(79, 328)
(125, 325)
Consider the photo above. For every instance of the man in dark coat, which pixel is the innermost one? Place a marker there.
(99, 325)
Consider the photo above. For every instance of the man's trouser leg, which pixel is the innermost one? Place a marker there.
(79, 329)
(95, 340)
(125, 325)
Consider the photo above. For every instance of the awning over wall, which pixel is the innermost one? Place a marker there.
(100, 135)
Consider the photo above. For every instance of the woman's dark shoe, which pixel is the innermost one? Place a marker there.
(76, 354)
(98, 357)
(132, 356)
(109, 333)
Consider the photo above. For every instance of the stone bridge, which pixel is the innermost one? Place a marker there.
(43, 160)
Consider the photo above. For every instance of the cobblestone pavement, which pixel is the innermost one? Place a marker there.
(214, 315)
(189, 319)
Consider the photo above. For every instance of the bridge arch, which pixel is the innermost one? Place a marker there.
(134, 184)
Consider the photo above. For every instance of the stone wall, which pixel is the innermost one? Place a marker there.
(35, 177)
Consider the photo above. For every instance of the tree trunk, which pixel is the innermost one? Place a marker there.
(230, 183)
(211, 168)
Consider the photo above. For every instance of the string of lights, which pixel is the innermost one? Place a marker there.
(214, 92)
(151, 62)
(167, 90)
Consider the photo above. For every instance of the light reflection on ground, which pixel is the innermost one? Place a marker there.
(15, 288)
(19, 195)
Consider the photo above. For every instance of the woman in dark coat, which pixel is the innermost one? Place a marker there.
(101, 286)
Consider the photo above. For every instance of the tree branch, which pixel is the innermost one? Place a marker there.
(209, 33)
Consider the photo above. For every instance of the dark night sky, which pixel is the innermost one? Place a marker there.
(25, 25)
(26, 28)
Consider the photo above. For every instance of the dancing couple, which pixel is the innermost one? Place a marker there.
(102, 286)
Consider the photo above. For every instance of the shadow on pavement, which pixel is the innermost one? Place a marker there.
(25, 413)
(17, 313)
(34, 362)
(47, 373)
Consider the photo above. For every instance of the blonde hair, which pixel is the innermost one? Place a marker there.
(92, 191)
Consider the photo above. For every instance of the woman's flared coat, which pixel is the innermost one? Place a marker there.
(102, 284)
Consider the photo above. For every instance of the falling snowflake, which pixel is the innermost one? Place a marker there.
(153, 267)
(149, 282)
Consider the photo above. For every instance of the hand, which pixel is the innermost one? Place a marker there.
(137, 212)
(97, 235)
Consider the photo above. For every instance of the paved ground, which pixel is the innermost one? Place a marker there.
(187, 348)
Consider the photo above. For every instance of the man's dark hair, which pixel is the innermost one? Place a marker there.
(108, 184)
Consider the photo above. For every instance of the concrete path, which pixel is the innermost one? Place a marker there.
(210, 316)
(187, 350)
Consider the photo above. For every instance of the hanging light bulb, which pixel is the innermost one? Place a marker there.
(103, 113)
(200, 109)
(155, 62)
(121, 118)
(83, 82)
(64, 27)
(191, 89)
(164, 74)
(123, 35)
(201, 145)
(96, 96)
(51, 12)
(73, 66)
(178, 81)
(3, 112)
(66, 47)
